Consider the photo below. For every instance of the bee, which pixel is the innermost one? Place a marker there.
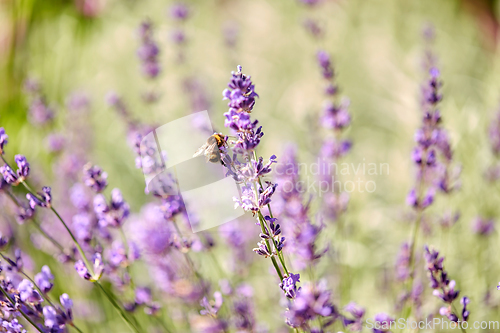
(211, 148)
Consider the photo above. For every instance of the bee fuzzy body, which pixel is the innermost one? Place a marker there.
(211, 148)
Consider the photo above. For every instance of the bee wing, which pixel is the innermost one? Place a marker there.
(200, 150)
(210, 150)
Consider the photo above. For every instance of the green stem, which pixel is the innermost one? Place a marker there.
(80, 250)
(186, 255)
(127, 251)
(76, 328)
(35, 222)
(118, 308)
(49, 238)
(275, 264)
(30, 279)
(22, 312)
(275, 243)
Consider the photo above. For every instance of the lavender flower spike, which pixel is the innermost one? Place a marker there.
(289, 285)
(4, 139)
(46, 200)
(23, 167)
(95, 178)
(44, 279)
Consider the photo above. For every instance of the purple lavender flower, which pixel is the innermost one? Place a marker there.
(325, 64)
(32, 85)
(23, 170)
(465, 313)
(241, 93)
(28, 293)
(211, 308)
(336, 116)
(289, 285)
(52, 318)
(443, 287)
(44, 279)
(55, 142)
(357, 312)
(45, 201)
(113, 214)
(293, 209)
(171, 206)
(95, 178)
(78, 102)
(313, 28)
(178, 36)
(79, 197)
(482, 226)
(312, 301)
(98, 266)
(23, 167)
(39, 111)
(12, 326)
(9, 175)
(66, 302)
(383, 323)
(263, 250)
(24, 212)
(143, 295)
(82, 270)
(4, 139)
(403, 263)
(310, 2)
(179, 11)
(148, 51)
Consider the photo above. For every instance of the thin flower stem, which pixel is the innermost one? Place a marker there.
(13, 198)
(47, 298)
(22, 312)
(118, 308)
(37, 225)
(50, 238)
(164, 325)
(76, 328)
(275, 264)
(80, 250)
(82, 254)
(280, 253)
(127, 251)
(186, 255)
(455, 310)
(414, 240)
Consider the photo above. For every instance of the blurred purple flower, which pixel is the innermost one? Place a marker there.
(95, 178)
(482, 226)
(179, 11)
(4, 139)
(44, 279)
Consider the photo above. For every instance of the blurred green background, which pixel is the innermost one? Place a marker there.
(377, 48)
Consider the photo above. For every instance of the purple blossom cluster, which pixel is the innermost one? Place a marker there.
(444, 288)
(432, 154)
(179, 13)
(292, 208)
(27, 298)
(148, 51)
(39, 113)
(335, 118)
